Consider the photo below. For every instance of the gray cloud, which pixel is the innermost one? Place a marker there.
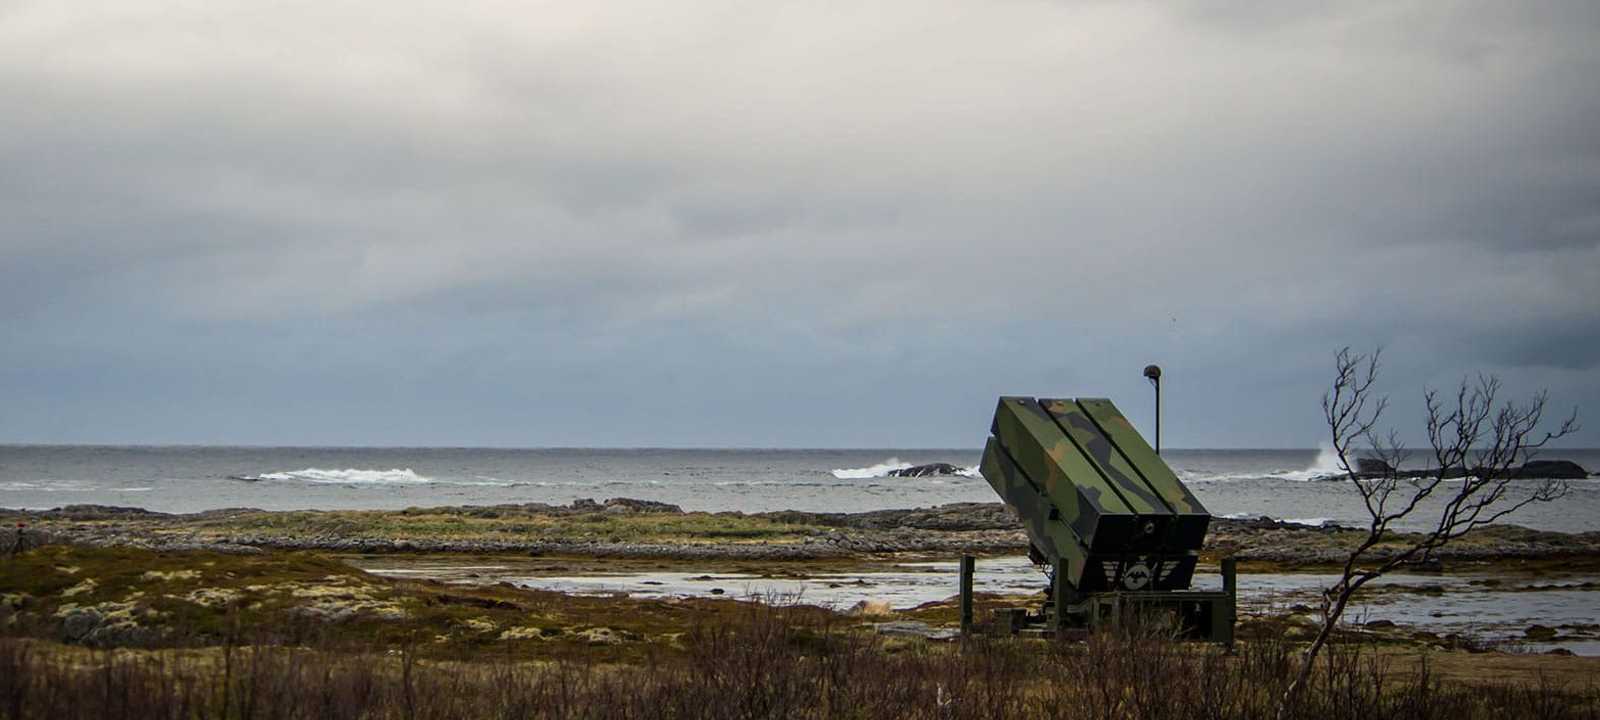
(791, 224)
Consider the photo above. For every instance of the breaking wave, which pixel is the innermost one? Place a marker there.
(350, 476)
(871, 471)
(68, 486)
(1311, 522)
(1243, 516)
(884, 468)
(1324, 467)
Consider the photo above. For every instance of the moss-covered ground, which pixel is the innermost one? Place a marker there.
(110, 597)
(66, 601)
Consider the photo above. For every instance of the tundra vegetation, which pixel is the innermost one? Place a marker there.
(105, 632)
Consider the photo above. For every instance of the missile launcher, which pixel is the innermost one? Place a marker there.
(1112, 521)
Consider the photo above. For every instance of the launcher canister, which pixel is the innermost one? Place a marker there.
(1094, 498)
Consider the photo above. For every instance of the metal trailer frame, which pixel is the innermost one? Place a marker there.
(1205, 615)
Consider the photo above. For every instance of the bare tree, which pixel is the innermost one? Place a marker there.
(1477, 445)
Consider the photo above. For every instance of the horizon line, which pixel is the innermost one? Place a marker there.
(741, 448)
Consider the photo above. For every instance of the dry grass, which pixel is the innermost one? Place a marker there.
(764, 661)
(151, 599)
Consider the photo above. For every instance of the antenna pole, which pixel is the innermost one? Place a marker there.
(1153, 373)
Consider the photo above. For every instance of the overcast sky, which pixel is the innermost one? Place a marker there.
(735, 223)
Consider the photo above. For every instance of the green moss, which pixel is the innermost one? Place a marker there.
(204, 598)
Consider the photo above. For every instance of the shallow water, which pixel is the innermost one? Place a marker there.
(1437, 603)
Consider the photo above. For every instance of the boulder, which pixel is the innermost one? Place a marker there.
(1552, 470)
(20, 539)
(105, 625)
(872, 608)
(641, 506)
(79, 622)
(1373, 466)
(927, 470)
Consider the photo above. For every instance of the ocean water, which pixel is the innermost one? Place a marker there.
(1272, 483)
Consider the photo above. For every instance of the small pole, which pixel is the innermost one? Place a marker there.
(968, 562)
(1230, 585)
(1062, 594)
(1153, 373)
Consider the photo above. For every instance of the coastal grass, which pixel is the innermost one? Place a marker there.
(122, 633)
(761, 661)
(127, 597)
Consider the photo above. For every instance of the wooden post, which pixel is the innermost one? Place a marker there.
(1230, 585)
(967, 564)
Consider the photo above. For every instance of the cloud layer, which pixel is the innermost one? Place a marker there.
(725, 223)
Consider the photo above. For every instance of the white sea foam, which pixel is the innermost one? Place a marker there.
(485, 481)
(397, 476)
(872, 471)
(1311, 521)
(67, 486)
(1324, 467)
(351, 476)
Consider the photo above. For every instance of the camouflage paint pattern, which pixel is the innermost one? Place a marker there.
(1159, 500)
(1081, 483)
(1193, 518)
(1049, 536)
(1051, 461)
(1118, 473)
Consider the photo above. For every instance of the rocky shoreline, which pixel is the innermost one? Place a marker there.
(626, 528)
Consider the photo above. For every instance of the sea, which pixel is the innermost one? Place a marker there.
(1280, 484)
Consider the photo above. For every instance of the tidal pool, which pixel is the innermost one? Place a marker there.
(1488, 607)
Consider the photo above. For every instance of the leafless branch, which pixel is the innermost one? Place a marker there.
(1478, 444)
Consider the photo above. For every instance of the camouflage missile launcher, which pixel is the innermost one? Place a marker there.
(1102, 509)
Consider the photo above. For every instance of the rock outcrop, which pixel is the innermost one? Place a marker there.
(1552, 469)
(1533, 469)
(928, 470)
(1372, 466)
